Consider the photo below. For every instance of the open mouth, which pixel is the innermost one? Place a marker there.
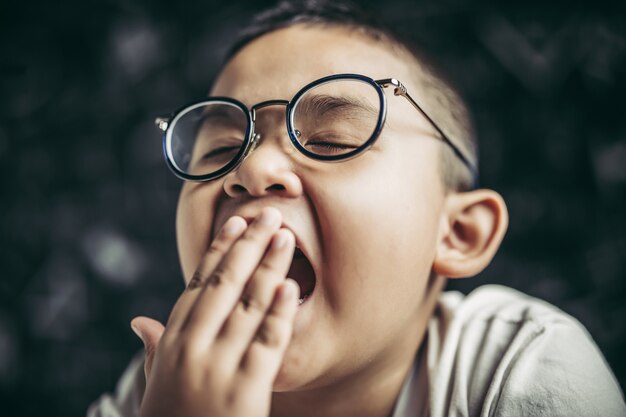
(302, 272)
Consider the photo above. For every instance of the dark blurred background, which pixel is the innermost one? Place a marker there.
(87, 204)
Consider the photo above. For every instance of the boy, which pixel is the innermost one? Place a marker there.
(364, 200)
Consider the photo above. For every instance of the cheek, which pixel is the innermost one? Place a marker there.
(380, 229)
(194, 219)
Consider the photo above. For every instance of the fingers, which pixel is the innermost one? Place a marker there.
(257, 298)
(226, 237)
(264, 357)
(225, 284)
(232, 307)
(238, 310)
(150, 332)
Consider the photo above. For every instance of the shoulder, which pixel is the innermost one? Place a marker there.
(497, 302)
(503, 353)
(126, 400)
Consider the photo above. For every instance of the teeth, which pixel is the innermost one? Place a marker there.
(299, 256)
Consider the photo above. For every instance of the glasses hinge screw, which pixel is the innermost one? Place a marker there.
(400, 89)
(162, 123)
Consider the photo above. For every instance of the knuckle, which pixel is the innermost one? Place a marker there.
(211, 372)
(254, 237)
(196, 281)
(199, 277)
(168, 342)
(253, 305)
(270, 334)
(222, 275)
(268, 266)
(186, 356)
(216, 278)
(215, 248)
(232, 398)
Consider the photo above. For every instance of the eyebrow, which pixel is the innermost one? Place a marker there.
(217, 112)
(324, 103)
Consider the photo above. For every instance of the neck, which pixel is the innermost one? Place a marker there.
(365, 396)
(368, 392)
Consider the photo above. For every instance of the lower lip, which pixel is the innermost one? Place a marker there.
(304, 313)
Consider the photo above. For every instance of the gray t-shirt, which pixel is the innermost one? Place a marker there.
(495, 352)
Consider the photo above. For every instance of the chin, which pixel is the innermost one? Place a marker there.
(284, 385)
(292, 375)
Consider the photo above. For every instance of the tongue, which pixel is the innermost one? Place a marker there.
(302, 272)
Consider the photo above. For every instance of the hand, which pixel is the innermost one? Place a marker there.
(226, 336)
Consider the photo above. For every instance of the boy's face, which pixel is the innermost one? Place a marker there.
(369, 226)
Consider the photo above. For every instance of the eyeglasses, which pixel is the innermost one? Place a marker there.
(334, 118)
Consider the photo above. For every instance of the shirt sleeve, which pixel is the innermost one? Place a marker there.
(559, 372)
(499, 353)
(126, 400)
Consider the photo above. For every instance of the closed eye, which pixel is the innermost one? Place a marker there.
(329, 148)
(220, 151)
(329, 145)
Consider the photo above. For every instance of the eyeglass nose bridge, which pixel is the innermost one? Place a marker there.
(264, 104)
(256, 137)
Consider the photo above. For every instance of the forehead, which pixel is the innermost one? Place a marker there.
(278, 64)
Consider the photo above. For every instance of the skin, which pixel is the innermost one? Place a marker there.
(380, 231)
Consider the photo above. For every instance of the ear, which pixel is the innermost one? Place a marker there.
(472, 226)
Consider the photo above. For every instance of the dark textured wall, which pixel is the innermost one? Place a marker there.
(87, 204)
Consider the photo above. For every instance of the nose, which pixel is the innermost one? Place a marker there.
(266, 171)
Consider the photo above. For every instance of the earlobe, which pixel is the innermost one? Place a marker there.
(472, 227)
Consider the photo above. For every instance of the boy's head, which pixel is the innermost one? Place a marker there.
(380, 231)
(443, 104)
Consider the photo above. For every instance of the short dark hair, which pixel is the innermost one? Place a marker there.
(444, 105)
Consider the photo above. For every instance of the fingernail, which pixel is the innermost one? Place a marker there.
(289, 289)
(233, 226)
(269, 216)
(280, 240)
(137, 332)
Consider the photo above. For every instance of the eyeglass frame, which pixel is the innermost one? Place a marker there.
(164, 123)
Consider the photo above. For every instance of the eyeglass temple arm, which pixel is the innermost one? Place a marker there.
(400, 90)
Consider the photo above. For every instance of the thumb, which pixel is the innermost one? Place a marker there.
(150, 332)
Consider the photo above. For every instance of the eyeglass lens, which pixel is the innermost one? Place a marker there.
(330, 119)
(336, 117)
